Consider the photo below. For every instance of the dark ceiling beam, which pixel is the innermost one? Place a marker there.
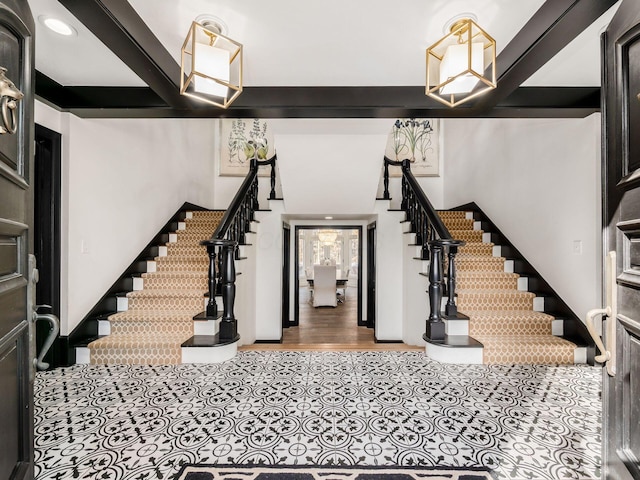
(121, 29)
(316, 102)
(551, 28)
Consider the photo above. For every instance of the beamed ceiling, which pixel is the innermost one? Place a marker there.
(329, 59)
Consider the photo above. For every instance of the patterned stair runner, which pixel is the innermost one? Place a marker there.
(159, 317)
(500, 316)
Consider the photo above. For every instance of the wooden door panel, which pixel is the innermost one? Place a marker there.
(621, 173)
(16, 216)
(629, 368)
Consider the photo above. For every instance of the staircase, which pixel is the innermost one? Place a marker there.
(504, 317)
(156, 318)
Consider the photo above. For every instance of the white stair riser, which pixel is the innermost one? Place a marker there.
(151, 266)
(138, 284)
(508, 266)
(162, 251)
(456, 327)
(538, 304)
(580, 355)
(206, 327)
(497, 251)
(189, 215)
(104, 327)
(523, 284)
(477, 225)
(486, 237)
(122, 304)
(83, 355)
(557, 327)
(173, 237)
(468, 215)
(182, 225)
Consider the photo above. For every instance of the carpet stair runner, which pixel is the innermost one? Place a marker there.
(159, 318)
(501, 316)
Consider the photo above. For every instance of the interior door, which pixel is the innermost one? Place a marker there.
(621, 141)
(371, 275)
(16, 212)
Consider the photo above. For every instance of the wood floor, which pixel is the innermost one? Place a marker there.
(328, 328)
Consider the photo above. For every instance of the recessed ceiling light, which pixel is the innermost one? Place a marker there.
(328, 218)
(58, 26)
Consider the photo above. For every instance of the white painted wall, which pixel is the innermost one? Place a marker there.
(122, 181)
(539, 182)
(390, 244)
(268, 303)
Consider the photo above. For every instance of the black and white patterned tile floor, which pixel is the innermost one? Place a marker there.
(373, 408)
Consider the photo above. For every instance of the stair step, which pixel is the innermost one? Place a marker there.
(467, 235)
(187, 300)
(145, 349)
(469, 300)
(208, 349)
(510, 322)
(458, 223)
(467, 280)
(451, 214)
(176, 280)
(480, 263)
(477, 248)
(527, 349)
(459, 349)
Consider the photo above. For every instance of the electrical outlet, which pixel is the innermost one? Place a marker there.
(84, 246)
(577, 247)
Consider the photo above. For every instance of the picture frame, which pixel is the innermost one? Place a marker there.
(416, 139)
(242, 139)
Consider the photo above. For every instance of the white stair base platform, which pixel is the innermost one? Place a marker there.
(580, 355)
(217, 354)
(442, 354)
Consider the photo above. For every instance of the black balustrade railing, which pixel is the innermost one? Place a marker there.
(435, 243)
(222, 247)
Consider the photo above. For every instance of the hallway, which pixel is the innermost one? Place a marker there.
(369, 408)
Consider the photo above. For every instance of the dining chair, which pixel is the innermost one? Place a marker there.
(324, 286)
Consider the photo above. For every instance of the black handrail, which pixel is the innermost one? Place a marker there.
(435, 240)
(245, 192)
(224, 242)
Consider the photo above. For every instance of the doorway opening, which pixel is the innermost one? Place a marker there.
(46, 233)
(336, 319)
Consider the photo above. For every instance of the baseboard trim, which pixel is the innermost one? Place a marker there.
(269, 341)
(386, 341)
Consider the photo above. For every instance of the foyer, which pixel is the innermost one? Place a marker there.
(131, 422)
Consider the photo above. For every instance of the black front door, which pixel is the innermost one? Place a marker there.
(16, 217)
(621, 140)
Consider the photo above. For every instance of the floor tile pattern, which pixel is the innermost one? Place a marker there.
(117, 422)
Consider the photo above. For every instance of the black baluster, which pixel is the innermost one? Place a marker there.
(212, 307)
(405, 194)
(426, 227)
(272, 194)
(451, 308)
(386, 195)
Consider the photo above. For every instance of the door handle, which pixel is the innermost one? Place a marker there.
(608, 355)
(53, 333)
(9, 98)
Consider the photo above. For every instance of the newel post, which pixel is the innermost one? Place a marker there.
(229, 324)
(435, 326)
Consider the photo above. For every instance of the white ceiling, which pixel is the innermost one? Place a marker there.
(295, 43)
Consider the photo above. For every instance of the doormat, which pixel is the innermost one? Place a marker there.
(294, 472)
